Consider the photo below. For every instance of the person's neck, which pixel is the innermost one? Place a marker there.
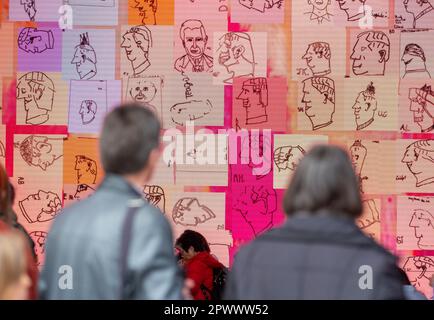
(416, 66)
(137, 180)
(319, 12)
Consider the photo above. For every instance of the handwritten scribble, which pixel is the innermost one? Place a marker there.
(190, 111)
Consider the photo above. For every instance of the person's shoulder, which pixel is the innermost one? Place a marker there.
(151, 217)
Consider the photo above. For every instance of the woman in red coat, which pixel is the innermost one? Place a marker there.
(198, 263)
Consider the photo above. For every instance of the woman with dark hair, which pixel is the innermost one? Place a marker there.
(198, 263)
(319, 252)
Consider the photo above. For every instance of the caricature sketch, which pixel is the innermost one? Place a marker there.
(147, 9)
(137, 41)
(319, 10)
(420, 271)
(257, 205)
(254, 95)
(236, 55)
(288, 157)
(40, 151)
(354, 9)
(260, 145)
(155, 196)
(32, 40)
(39, 238)
(421, 10)
(419, 158)
(194, 39)
(30, 8)
(415, 62)
(422, 222)
(358, 154)
(365, 107)
(85, 58)
(87, 111)
(144, 93)
(370, 53)
(319, 100)
(422, 106)
(86, 176)
(189, 211)
(36, 90)
(260, 5)
(369, 222)
(41, 206)
(317, 56)
(190, 111)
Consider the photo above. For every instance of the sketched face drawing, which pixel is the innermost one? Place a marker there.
(422, 221)
(39, 238)
(195, 41)
(319, 4)
(29, 8)
(319, 100)
(85, 58)
(86, 170)
(257, 205)
(254, 95)
(87, 111)
(39, 151)
(417, 7)
(317, 58)
(354, 9)
(35, 41)
(190, 212)
(358, 155)
(155, 196)
(36, 89)
(365, 107)
(418, 268)
(40, 207)
(143, 92)
(136, 43)
(288, 157)
(419, 158)
(147, 9)
(423, 110)
(370, 53)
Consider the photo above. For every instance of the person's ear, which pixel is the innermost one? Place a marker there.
(239, 51)
(382, 56)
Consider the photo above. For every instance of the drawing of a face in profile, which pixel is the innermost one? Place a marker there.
(260, 5)
(354, 9)
(235, 53)
(415, 62)
(420, 270)
(317, 56)
(319, 10)
(370, 53)
(32, 40)
(39, 238)
(85, 58)
(86, 169)
(40, 151)
(257, 205)
(147, 9)
(155, 196)
(189, 212)
(422, 106)
(136, 43)
(419, 158)
(87, 111)
(365, 107)
(369, 222)
(254, 95)
(36, 89)
(144, 92)
(40, 207)
(194, 39)
(422, 221)
(358, 156)
(288, 157)
(29, 8)
(420, 10)
(319, 100)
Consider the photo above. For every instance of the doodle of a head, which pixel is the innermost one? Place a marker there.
(354, 9)
(419, 158)
(30, 8)
(35, 41)
(86, 170)
(155, 195)
(190, 212)
(257, 205)
(87, 111)
(288, 157)
(136, 42)
(258, 5)
(317, 56)
(235, 53)
(370, 53)
(319, 4)
(85, 58)
(39, 238)
(143, 91)
(418, 267)
(417, 7)
(36, 89)
(146, 6)
(365, 107)
(254, 95)
(40, 207)
(422, 221)
(39, 151)
(423, 111)
(358, 155)
(414, 58)
(319, 100)
(194, 38)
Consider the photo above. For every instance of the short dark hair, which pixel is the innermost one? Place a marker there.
(324, 181)
(130, 132)
(190, 238)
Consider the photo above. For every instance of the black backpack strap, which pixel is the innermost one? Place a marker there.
(133, 207)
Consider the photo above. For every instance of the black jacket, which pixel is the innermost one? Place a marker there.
(314, 257)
